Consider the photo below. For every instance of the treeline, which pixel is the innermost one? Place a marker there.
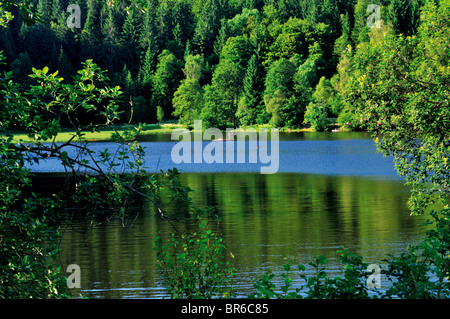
(227, 62)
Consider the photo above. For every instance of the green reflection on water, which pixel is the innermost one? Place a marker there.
(264, 218)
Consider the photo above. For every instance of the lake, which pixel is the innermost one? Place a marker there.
(331, 190)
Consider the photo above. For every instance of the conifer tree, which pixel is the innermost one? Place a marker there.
(360, 29)
(148, 31)
(21, 67)
(129, 39)
(43, 11)
(90, 34)
(404, 16)
(53, 64)
(163, 23)
(56, 10)
(342, 43)
(7, 44)
(207, 28)
(249, 108)
(182, 15)
(110, 36)
(329, 14)
(64, 67)
(148, 65)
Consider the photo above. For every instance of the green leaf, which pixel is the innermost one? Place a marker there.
(321, 260)
(25, 260)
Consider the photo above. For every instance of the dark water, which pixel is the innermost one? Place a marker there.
(330, 192)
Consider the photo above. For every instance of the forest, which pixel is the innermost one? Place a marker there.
(229, 63)
(379, 67)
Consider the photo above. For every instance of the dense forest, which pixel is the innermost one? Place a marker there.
(227, 62)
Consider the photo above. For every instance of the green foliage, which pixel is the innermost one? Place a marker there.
(28, 232)
(404, 16)
(187, 101)
(152, 37)
(24, 10)
(159, 113)
(195, 265)
(28, 239)
(188, 98)
(279, 88)
(317, 115)
(395, 86)
(294, 38)
(250, 103)
(222, 96)
(421, 272)
(324, 105)
(305, 79)
(317, 284)
(390, 92)
(165, 80)
(21, 66)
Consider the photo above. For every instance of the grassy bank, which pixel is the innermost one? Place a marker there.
(104, 134)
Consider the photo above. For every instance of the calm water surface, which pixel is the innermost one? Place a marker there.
(332, 190)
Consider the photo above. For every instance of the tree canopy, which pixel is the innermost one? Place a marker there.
(245, 40)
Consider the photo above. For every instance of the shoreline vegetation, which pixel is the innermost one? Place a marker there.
(251, 63)
(104, 134)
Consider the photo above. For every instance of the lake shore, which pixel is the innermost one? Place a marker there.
(105, 134)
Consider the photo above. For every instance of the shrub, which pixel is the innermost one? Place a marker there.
(195, 266)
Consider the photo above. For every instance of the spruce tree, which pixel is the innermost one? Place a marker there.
(53, 64)
(64, 67)
(342, 43)
(56, 10)
(148, 32)
(129, 39)
(90, 34)
(360, 29)
(110, 37)
(43, 11)
(207, 28)
(163, 24)
(7, 44)
(249, 104)
(21, 67)
(147, 67)
(404, 16)
(329, 14)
